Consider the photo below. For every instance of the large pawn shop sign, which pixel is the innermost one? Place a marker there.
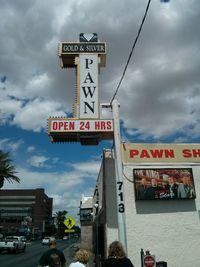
(87, 56)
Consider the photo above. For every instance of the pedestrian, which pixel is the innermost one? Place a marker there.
(81, 258)
(53, 257)
(117, 256)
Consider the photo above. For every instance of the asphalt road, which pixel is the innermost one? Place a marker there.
(30, 258)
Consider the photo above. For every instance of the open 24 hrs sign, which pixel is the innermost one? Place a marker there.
(73, 125)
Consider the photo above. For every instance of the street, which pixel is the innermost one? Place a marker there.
(30, 258)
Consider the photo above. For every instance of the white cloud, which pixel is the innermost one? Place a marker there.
(9, 145)
(66, 187)
(90, 167)
(30, 149)
(165, 61)
(34, 115)
(159, 96)
(37, 161)
(38, 84)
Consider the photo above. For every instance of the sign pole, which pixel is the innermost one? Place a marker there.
(119, 175)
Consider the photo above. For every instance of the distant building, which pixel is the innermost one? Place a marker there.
(25, 208)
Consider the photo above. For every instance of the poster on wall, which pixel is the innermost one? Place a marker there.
(170, 183)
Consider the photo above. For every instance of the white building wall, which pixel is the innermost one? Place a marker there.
(170, 229)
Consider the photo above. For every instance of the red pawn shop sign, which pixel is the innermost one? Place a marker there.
(149, 261)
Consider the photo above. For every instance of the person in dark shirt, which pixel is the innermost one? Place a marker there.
(154, 190)
(141, 190)
(117, 256)
(53, 256)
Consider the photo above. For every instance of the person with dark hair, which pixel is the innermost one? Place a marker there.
(52, 257)
(117, 256)
(81, 258)
(172, 187)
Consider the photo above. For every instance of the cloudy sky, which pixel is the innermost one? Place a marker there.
(159, 96)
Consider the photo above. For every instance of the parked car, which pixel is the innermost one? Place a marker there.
(45, 240)
(23, 239)
(12, 244)
(65, 237)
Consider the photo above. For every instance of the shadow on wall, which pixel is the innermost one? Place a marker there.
(165, 206)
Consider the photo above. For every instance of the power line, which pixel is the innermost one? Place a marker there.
(134, 44)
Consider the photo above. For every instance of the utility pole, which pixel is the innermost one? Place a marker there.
(119, 175)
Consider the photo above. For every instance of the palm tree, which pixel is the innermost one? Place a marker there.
(7, 170)
(60, 217)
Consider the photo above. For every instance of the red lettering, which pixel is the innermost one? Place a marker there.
(103, 125)
(187, 153)
(97, 125)
(68, 125)
(109, 125)
(133, 153)
(63, 125)
(54, 126)
(87, 125)
(60, 125)
(144, 154)
(169, 153)
(82, 125)
(71, 125)
(156, 153)
(196, 153)
(159, 153)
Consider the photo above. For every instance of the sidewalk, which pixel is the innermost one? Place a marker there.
(69, 253)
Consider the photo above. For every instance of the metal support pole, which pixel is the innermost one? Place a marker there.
(119, 175)
(142, 256)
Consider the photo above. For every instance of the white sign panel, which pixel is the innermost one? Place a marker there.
(160, 153)
(64, 125)
(89, 96)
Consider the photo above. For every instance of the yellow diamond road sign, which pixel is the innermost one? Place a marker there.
(69, 222)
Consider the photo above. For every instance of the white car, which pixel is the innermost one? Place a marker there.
(45, 240)
(12, 244)
(23, 239)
